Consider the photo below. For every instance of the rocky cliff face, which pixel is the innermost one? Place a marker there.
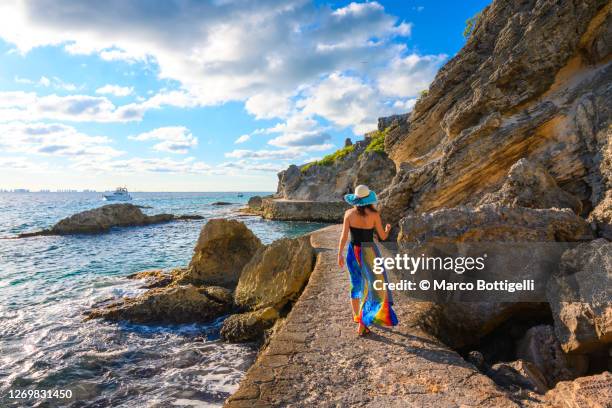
(331, 178)
(534, 82)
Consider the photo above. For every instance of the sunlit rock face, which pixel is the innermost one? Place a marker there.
(532, 82)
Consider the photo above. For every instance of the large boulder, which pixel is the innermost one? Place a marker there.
(530, 185)
(540, 347)
(223, 249)
(601, 216)
(594, 391)
(255, 202)
(248, 326)
(276, 275)
(531, 82)
(493, 222)
(580, 297)
(172, 304)
(463, 323)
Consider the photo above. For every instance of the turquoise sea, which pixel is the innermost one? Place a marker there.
(47, 283)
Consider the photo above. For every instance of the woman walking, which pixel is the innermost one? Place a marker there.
(370, 305)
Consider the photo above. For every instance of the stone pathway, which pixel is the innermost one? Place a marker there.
(316, 358)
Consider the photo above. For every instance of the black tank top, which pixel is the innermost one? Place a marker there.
(359, 235)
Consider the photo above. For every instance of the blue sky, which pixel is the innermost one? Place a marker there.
(204, 96)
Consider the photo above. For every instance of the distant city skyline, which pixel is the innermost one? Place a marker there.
(201, 96)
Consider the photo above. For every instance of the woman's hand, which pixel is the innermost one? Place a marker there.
(387, 228)
(340, 260)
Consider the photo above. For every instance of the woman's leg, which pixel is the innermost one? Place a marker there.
(355, 305)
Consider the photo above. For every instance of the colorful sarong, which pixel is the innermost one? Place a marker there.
(375, 306)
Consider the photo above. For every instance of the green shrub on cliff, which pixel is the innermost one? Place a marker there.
(330, 158)
(377, 141)
(470, 24)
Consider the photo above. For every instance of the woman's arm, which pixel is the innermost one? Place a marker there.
(343, 239)
(382, 234)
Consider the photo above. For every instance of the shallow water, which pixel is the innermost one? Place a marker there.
(46, 283)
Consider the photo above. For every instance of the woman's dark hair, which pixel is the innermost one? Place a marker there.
(361, 209)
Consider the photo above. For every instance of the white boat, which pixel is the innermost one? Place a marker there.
(120, 194)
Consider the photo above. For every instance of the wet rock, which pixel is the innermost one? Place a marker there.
(276, 275)
(530, 185)
(102, 219)
(601, 216)
(579, 297)
(296, 210)
(223, 249)
(541, 347)
(255, 203)
(248, 326)
(594, 391)
(221, 203)
(155, 278)
(173, 304)
(519, 374)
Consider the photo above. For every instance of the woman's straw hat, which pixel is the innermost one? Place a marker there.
(362, 196)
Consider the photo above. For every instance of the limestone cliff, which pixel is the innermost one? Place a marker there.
(534, 82)
(337, 174)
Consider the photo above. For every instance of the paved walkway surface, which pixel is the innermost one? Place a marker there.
(316, 358)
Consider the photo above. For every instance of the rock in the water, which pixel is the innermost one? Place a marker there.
(276, 275)
(155, 278)
(602, 216)
(330, 182)
(248, 326)
(102, 219)
(493, 222)
(173, 304)
(223, 249)
(540, 347)
(295, 210)
(255, 203)
(530, 185)
(521, 374)
(221, 203)
(581, 299)
(594, 391)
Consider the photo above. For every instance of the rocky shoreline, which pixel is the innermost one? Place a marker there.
(231, 273)
(511, 143)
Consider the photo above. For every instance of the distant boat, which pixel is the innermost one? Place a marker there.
(120, 194)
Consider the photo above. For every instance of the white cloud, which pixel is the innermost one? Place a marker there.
(281, 154)
(173, 139)
(115, 90)
(219, 51)
(28, 106)
(268, 105)
(22, 164)
(45, 82)
(242, 139)
(188, 165)
(409, 75)
(53, 139)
